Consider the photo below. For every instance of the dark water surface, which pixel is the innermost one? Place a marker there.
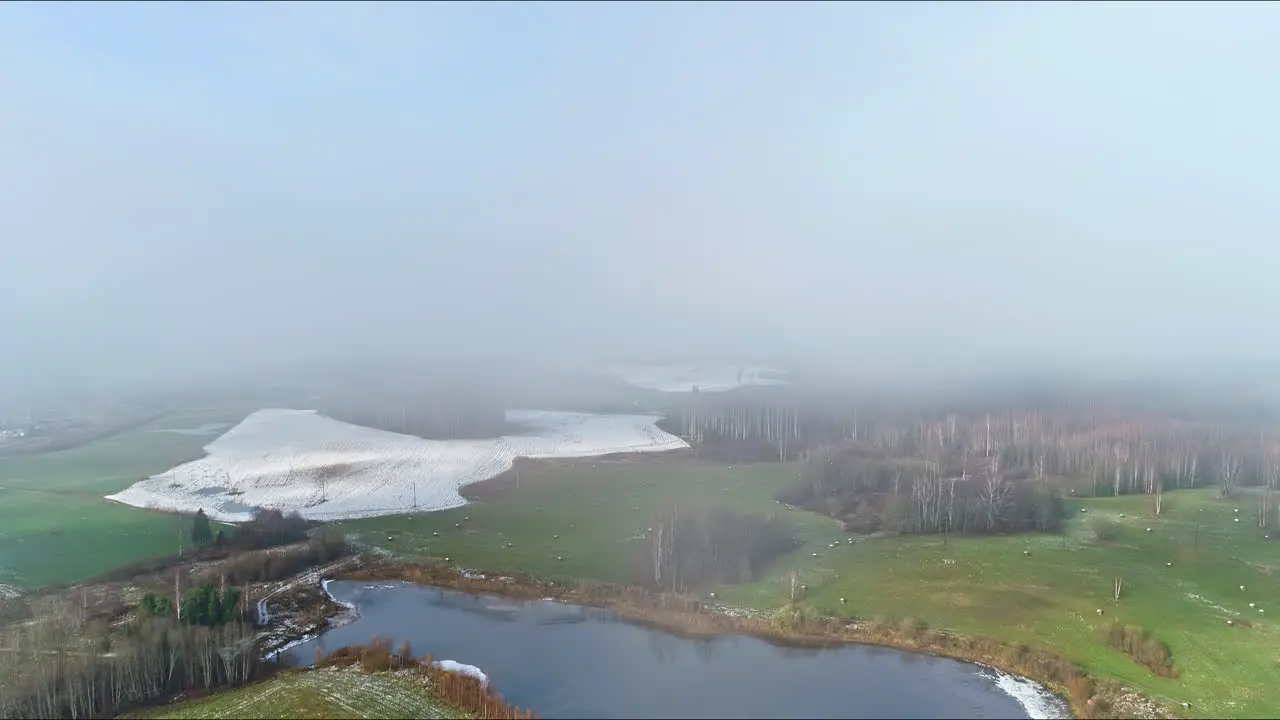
(567, 661)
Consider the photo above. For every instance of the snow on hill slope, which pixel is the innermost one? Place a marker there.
(330, 470)
(683, 378)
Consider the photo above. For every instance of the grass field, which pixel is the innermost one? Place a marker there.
(55, 526)
(1048, 599)
(325, 693)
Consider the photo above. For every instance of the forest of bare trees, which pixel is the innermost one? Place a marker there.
(932, 470)
(690, 547)
(60, 664)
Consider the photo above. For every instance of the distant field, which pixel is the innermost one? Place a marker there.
(56, 527)
(328, 693)
(1047, 600)
(599, 508)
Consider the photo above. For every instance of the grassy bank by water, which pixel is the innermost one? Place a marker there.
(981, 587)
(332, 692)
(55, 525)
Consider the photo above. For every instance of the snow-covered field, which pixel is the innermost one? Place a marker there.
(330, 470)
(684, 378)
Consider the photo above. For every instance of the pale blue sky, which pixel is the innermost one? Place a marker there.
(187, 186)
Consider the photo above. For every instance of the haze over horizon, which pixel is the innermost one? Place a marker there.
(190, 189)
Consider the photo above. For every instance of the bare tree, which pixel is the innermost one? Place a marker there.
(1230, 469)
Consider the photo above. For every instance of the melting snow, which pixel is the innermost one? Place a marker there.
(330, 470)
(1036, 699)
(462, 669)
(682, 379)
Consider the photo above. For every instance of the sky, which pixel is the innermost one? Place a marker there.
(197, 188)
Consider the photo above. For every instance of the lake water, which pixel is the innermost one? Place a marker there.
(567, 661)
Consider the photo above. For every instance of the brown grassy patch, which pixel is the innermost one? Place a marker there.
(1144, 648)
(463, 692)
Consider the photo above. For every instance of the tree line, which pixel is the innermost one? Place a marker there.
(56, 668)
(691, 547)
(990, 470)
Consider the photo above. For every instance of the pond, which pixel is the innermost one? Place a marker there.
(568, 661)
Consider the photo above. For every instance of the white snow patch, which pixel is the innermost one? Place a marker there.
(330, 470)
(684, 378)
(1210, 603)
(462, 669)
(1035, 699)
(205, 429)
(9, 591)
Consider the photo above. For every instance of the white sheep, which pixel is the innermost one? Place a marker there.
(1148, 529)
(1231, 622)
(1237, 519)
(1121, 514)
(1099, 611)
(1168, 564)
(815, 554)
(555, 537)
(1241, 588)
(1253, 605)
(435, 534)
(713, 594)
(1259, 609)
(842, 601)
(1237, 510)
(559, 557)
(1026, 552)
(446, 559)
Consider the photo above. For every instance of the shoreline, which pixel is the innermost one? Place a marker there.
(1083, 695)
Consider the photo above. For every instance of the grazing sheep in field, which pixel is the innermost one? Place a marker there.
(713, 594)
(1099, 611)
(1148, 529)
(1026, 552)
(555, 537)
(1253, 605)
(1168, 564)
(1241, 588)
(560, 557)
(841, 601)
(1121, 514)
(1231, 622)
(435, 534)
